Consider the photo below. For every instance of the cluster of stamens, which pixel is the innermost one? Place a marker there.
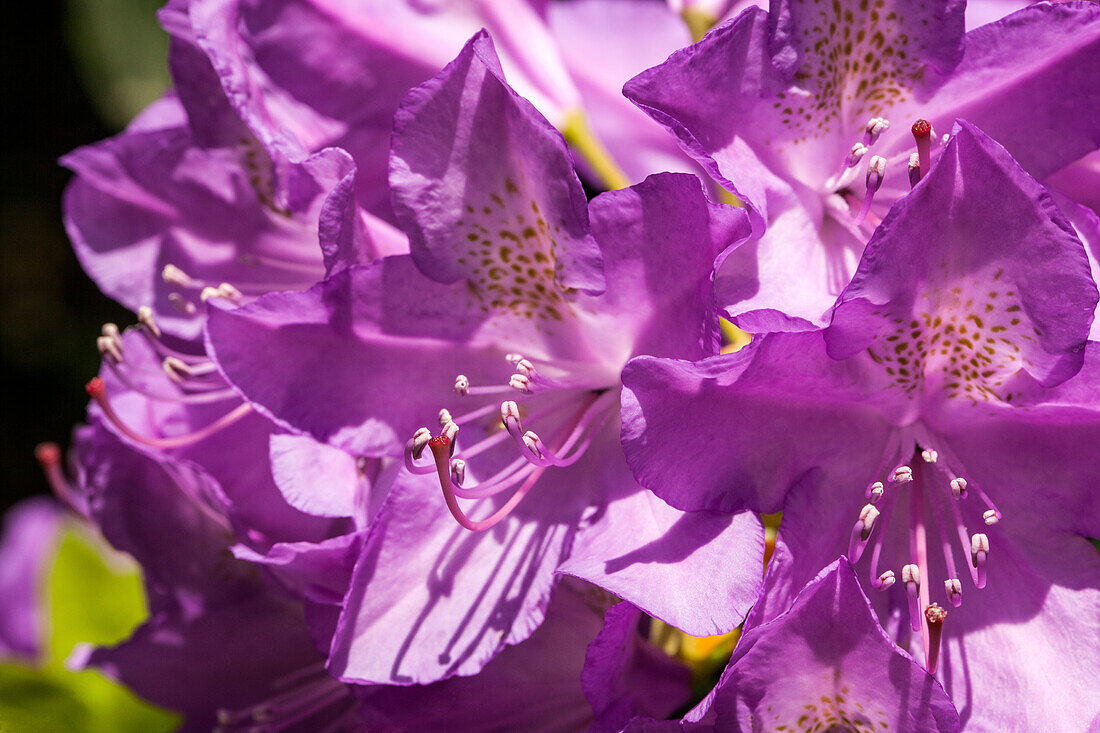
(293, 275)
(875, 169)
(575, 411)
(930, 472)
(195, 377)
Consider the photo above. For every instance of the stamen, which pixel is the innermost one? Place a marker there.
(861, 532)
(858, 151)
(929, 456)
(958, 488)
(109, 349)
(442, 447)
(414, 448)
(934, 616)
(444, 417)
(875, 127)
(520, 383)
(990, 516)
(175, 276)
(875, 492)
(876, 553)
(979, 552)
(458, 471)
(953, 586)
(876, 169)
(914, 169)
(901, 475)
(214, 393)
(922, 133)
(910, 575)
(146, 318)
(885, 581)
(224, 291)
(97, 390)
(48, 456)
(182, 304)
(954, 589)
(462, 385)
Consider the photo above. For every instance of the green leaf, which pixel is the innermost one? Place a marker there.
(93, 596)
(50, 699)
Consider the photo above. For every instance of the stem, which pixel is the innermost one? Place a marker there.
(582, 139)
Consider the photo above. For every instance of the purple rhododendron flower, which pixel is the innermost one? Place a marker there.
(850, 675)
(526, 302)
(940, 421)
(805, 114)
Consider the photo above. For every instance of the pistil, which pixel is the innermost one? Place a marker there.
(922, 133)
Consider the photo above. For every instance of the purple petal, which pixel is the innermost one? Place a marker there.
(318, 572)
(315, 478)
(659, 240)
(848, 668)
(534, 685)
(738, 431)
(481, 180)
(430, 599)
(623, 677)
(697, 571)
(978, 241)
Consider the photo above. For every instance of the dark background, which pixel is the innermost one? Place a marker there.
(65, 84)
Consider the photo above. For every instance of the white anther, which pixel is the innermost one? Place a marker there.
(145, 318)
(887, 579)
(944, 139)
(182, 304)
(875, 127)
(520, 383)
(176, 276)
(991, 517)
(444, 417)
(929, 456)
(458, 471)
(225, 290)
(532, 441)
(858, 151)
(513, 358)
(462, 385)
(176, 369)
(958, 488)
(420, 440)
(509, 410)
(978, 543)
(954, 590)
(449, 431)
(109, 347)
(876, 169)
(901, 475)
(877, 491)
(867, 515)
(910, 574)
(525, 368)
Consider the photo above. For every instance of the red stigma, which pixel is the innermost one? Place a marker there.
(47, 453)
(439, 440)
(95, 387)
(922, 128)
